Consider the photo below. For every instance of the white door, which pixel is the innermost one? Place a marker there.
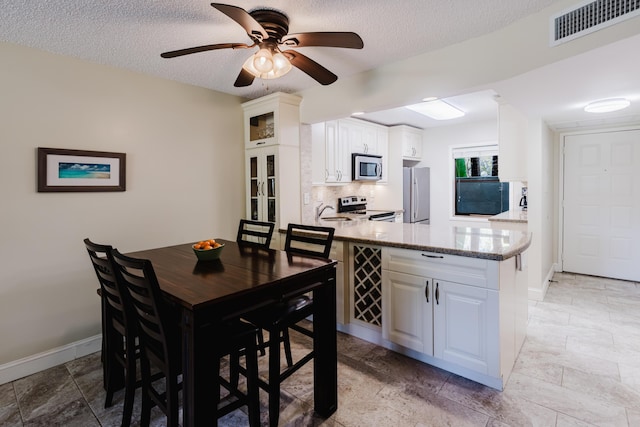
(602, 204)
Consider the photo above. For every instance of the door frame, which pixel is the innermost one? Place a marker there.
(561, 156)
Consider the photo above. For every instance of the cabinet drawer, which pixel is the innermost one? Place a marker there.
(470, 271)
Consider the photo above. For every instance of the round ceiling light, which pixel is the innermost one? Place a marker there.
(607, 105)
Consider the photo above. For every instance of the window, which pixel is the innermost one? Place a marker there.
(478, 190)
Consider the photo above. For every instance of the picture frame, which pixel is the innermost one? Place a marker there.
(65, 170)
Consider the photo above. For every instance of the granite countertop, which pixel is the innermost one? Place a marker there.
(514, 215)
(480, 242)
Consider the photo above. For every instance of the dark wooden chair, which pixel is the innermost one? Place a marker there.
(119, 351)
(276, 319)
(160, 343)
(255, 233)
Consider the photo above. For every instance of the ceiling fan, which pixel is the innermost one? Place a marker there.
(268, 29)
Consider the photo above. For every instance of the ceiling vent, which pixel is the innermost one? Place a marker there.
(589, 17)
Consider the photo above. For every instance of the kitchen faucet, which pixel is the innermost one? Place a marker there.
(320, 211)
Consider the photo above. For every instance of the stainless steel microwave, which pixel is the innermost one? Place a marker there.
(366, 167)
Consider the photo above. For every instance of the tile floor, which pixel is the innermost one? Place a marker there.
(579, 366)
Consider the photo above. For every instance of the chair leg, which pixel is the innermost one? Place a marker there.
(287, 346)
(253, 399)
(113, 372)
(145, 415)
(261, 342)
(130, 383)
(274, 378)
(234, 368)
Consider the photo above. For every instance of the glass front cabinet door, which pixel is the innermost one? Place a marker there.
(262, 182)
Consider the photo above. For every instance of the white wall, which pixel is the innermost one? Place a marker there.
(541, 215)
(436, 155)
(185, 177)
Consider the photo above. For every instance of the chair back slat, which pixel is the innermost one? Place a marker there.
(255, 233)
(309, 240)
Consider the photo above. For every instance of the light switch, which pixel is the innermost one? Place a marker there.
(305, 198)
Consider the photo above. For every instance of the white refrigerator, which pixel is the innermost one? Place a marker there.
(415, 195)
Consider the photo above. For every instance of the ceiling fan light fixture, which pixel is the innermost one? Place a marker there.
(436, 109)
(607, 105)
(263, 60)
(268, 63)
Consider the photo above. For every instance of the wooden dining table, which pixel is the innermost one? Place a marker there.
(208, 293)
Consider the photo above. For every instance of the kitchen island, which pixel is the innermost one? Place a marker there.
(453, 297)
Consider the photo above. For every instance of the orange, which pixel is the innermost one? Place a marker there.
(207, 247)
(197, 246)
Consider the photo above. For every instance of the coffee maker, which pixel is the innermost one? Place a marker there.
(523, 199)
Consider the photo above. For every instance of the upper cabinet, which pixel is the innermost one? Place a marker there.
(410, 139)
(512, 140)
(334, 141)
(272, 156)
(272, 120)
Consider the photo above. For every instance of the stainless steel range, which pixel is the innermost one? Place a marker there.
(357, 205)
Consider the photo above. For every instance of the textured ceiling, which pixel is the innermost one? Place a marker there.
(131, 34)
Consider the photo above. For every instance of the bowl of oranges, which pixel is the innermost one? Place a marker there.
(207, 250)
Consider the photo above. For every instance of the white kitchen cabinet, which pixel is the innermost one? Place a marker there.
(407, 317)
(512, 143)
(331, 159)
(466, 315)
(272, 164)
(261, 184)
(466, 327)
(333, 143)
(361, 136)
(409, 138)
(337, 155)
(272, 120)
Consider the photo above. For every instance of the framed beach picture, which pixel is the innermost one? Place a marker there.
(61, 170)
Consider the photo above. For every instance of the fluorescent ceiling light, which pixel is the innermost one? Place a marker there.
(436, 109)
(607, 105)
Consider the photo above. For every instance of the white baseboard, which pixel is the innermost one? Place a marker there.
(48, 359)
(538, 294)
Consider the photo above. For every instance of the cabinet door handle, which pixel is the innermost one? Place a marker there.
(437, 293)
(258, 188)
(263, 193)
(260, 143)
(326, 174)
(433, 256)
(426, 291)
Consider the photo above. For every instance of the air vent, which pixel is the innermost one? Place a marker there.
(590, 17)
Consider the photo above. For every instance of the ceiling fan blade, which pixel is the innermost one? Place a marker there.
(311, 67)
(208, 47)
(245, 78)
(242, 17)
(329, 39)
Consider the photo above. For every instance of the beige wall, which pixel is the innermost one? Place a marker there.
(185, 162)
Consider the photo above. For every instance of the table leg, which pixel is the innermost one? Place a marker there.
(325, 346)
(197, 374)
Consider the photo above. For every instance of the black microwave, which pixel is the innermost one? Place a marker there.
(366, 167)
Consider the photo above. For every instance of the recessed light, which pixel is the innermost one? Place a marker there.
(358, 113)
(607, 105)
(436, 109)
